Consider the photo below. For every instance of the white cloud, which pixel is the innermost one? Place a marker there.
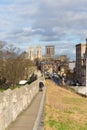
(45, 21)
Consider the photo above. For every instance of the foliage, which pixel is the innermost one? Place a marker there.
(14, 65)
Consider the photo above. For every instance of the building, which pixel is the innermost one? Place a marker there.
(72, 66)
(63, 58)
(84, 67)
(50, 51)
(32, 55)
(80, 65)
(39, 52)
(49, 66)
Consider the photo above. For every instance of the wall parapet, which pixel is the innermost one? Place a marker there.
(13, 102)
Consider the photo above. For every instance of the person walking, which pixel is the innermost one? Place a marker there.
(41, 85)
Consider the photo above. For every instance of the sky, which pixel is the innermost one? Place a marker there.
(26, 23)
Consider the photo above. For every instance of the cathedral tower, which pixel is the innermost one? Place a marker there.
(39, 52)
(31, 53)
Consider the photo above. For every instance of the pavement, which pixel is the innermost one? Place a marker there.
(82, 90)
(33, 117)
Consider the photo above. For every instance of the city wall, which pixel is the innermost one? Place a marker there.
(13, 102)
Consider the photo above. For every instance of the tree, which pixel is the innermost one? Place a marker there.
(13, 64)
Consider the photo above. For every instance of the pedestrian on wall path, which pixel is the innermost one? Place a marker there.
(41, 85)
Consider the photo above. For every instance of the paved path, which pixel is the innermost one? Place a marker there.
(82, 90)
(26, 120)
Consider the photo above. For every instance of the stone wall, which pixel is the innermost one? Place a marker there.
(13, 102)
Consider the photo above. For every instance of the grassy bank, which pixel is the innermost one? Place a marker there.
(64, 109)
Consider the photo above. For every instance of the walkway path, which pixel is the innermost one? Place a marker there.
(26, 120)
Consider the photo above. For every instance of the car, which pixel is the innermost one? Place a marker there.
(56, 78)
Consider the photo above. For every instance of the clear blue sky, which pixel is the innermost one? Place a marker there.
(62, 23)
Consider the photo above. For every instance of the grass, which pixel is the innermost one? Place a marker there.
(64, 110)
(12, 88)
(1, 89)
